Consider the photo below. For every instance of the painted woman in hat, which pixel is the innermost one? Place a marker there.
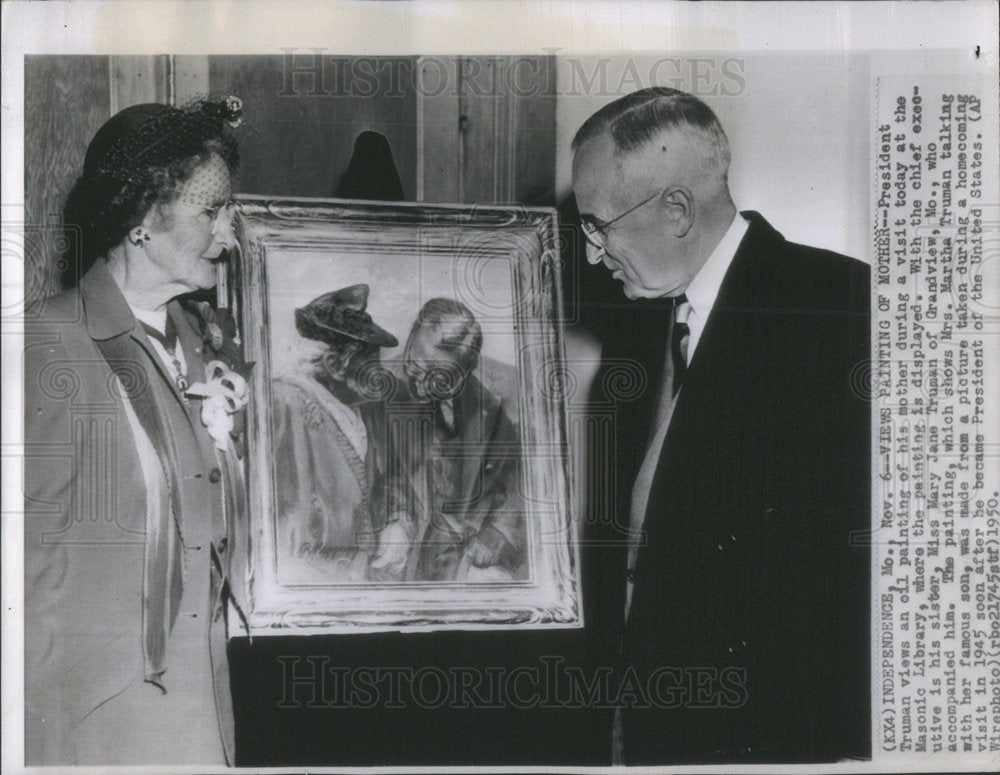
(131, 391)
(329, 442)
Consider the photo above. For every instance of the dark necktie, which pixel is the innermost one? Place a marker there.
(168, 338)
(679, 337)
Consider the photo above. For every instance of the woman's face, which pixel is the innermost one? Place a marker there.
(194, 229)
(351, 365)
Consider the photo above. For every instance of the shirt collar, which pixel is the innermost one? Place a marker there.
(446, 409)
(704, 288)
(155, 318)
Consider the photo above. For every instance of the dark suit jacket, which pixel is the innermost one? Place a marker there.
(486, 489)
(749, 621)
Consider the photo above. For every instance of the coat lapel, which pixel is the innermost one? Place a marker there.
(108, 315)
(106, 311)
(162, 580)
(731, 337)
(741, 297)
(475, 417)
(119, 336)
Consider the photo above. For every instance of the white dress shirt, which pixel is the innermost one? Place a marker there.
(704, 288)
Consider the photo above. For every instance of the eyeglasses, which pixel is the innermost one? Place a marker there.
(212, 212)
(597, 233)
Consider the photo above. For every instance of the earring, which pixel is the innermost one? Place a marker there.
(139, 238)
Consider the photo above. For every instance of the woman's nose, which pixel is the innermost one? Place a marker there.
(222, 229)
(594, 254)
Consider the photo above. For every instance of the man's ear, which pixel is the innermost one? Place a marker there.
(678, 204)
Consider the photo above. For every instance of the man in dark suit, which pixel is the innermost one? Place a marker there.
(452, 494)
(736, 602)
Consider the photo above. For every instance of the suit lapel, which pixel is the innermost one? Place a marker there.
(472, 411)
(731, 338)
(728, 334)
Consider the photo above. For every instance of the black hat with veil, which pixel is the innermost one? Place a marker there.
(137, 159)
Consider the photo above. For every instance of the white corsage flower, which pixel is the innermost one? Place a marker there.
(225, 393)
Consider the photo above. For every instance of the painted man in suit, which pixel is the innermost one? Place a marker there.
(738, 601)
(453, 504)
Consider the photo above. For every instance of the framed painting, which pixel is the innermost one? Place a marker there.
(407, 456)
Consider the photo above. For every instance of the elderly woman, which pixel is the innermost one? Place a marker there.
(329, 427)
(129, 398)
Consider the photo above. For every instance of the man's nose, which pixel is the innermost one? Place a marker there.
(594, 254)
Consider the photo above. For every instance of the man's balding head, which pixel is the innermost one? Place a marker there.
(662, 152)
(648, 115)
